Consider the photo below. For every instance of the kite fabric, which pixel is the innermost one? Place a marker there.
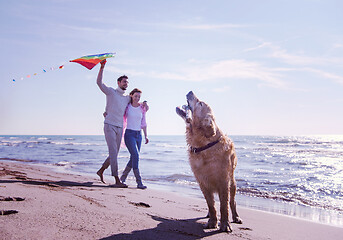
(91, 60)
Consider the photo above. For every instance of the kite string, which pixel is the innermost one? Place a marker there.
(44, 70)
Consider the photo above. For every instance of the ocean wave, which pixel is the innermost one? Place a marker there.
(262, 171)
(167, 145)
(317, 141)
(289, 197)
(75, 143)
(186, 183)
(62, 163)
(43, 138)
(150, 159)
(21, 143)
(18, 160)
(176, 178)
(263, 149)
(68, 149)
(73, 152)
(10, 143)
(72, 164)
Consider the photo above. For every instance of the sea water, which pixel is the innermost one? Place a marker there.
(300, 176)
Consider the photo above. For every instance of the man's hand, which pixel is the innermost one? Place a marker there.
(103, 63)
(99, 82)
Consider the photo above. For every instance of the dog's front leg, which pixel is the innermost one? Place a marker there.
(224, 210)
(209, 196)
(235, 217)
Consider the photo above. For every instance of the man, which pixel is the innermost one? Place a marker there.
(116, 103)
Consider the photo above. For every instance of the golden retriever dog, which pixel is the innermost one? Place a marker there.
(213, 160)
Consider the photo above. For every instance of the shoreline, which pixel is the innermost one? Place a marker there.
(63, 205)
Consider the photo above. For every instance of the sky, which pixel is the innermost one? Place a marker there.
(267, 67)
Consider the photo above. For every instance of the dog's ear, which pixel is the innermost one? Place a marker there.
(208, 126)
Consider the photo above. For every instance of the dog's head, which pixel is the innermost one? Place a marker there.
(201, 115)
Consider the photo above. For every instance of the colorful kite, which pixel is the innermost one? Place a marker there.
(91, 60)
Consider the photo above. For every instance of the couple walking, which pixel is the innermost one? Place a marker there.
(122, 110)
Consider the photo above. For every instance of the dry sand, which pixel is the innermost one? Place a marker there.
(65, 206)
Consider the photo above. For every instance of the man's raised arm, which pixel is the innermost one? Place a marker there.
(101, 85)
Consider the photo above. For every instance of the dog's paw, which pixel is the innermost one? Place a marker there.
(211, 224)
(225, 227)
(237, 220)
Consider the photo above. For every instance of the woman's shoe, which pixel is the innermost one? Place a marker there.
(138, 179)
(141, 186)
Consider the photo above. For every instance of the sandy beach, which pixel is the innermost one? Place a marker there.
(50, 205)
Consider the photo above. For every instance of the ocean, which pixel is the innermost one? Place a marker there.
(298, 176)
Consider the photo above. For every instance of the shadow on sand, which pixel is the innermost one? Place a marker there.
(55, 183)
(184, 229)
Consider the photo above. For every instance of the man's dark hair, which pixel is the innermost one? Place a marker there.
(122, 77)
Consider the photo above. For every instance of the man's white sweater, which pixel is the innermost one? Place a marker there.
(116, 103)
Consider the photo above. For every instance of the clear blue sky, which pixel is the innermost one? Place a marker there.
(265, 67)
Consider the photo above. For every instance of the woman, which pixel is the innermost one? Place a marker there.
(135, 121)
